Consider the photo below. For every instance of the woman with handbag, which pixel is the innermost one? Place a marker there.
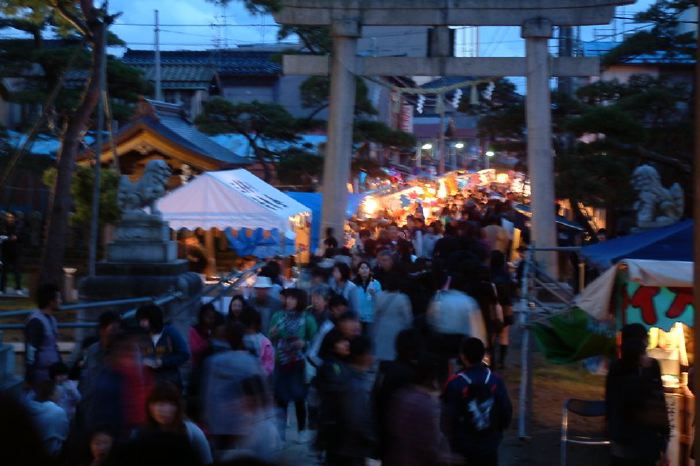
(503, 287)
(291, 331)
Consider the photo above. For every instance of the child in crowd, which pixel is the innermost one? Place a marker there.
(67, 394)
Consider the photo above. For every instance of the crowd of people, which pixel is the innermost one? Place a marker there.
(387, 346)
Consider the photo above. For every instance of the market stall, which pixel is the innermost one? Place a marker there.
(257, 217)
(659, 295)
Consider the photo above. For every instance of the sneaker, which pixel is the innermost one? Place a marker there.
(304, 436)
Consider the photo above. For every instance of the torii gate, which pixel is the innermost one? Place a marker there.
(536, 19)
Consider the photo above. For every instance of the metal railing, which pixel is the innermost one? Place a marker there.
(533, 280)
(219, 289)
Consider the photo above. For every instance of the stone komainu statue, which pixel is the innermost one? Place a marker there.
(133, 197)
(656, 205)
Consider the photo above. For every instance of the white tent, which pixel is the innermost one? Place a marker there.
(232, 198)
(595, 298)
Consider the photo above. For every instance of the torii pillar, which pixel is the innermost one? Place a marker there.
(338, 155)
(540, 154)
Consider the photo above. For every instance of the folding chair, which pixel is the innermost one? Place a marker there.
(583, 408)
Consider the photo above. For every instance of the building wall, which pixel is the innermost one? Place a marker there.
(238, 94)
(288, 95)
(624, 72)
(393, 41)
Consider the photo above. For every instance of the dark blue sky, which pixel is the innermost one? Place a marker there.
(186, 25)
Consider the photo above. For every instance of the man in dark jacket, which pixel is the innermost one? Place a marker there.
(41, 335)
(476, 408)
(167, 351)
(357, 436)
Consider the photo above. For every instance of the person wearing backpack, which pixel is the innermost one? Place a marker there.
(476, 409)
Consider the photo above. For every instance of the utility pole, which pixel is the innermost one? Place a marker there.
(94, 221)
(159, 91)
(440, 107)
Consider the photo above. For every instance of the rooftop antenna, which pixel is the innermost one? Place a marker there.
(159, 91)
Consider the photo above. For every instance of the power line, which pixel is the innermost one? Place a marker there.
(201, 25)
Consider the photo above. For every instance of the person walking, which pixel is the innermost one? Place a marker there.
(50, 419)
(223, 398)
(41, 336)
(392, 314)
(364, 295)
(11, 255)
(414, 437)
(263, 302)
(200, 334)
(165, 413)
(291, 331)
(357, 433)
(167, 350)
(476, 408)
(635, 404)
(340, 282)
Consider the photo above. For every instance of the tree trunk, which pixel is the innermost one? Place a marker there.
(60, 207)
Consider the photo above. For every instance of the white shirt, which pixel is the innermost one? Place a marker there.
(155, 338)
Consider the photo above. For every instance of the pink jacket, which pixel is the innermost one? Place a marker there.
(261, 347)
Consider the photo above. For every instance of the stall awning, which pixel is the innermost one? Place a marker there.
(664, 284)
(231, 198)
(671, 243)
(314, 202)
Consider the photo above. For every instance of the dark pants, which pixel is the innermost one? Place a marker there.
(299, 407)
(7, 264)
(333, 459)
(482, 459)
(614, 461)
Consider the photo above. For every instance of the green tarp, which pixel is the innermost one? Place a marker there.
(573, 336)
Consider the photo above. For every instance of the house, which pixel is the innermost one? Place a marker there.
(243, 74)
(461, 141)
(677, 67)
(161, 130)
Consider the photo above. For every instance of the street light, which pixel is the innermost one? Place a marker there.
(427, 146)
(459, 145)
(487, 160)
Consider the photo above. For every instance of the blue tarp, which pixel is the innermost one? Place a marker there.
(314, 201)
(671, 243)
(256, 244)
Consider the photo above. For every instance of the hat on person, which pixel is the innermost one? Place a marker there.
(326, 263)
(262, 282)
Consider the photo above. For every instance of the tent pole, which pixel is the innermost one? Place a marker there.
(211, 251)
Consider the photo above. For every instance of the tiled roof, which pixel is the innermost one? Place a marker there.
(229, 62)
(168, 120)
(180, 76)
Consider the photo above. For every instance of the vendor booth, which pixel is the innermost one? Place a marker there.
(659, 295)
(670, 243)
(258, 218)
(314, 202)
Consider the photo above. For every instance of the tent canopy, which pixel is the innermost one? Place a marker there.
(671, 243)
(314, 202)
(231, 198)
(596, 297)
